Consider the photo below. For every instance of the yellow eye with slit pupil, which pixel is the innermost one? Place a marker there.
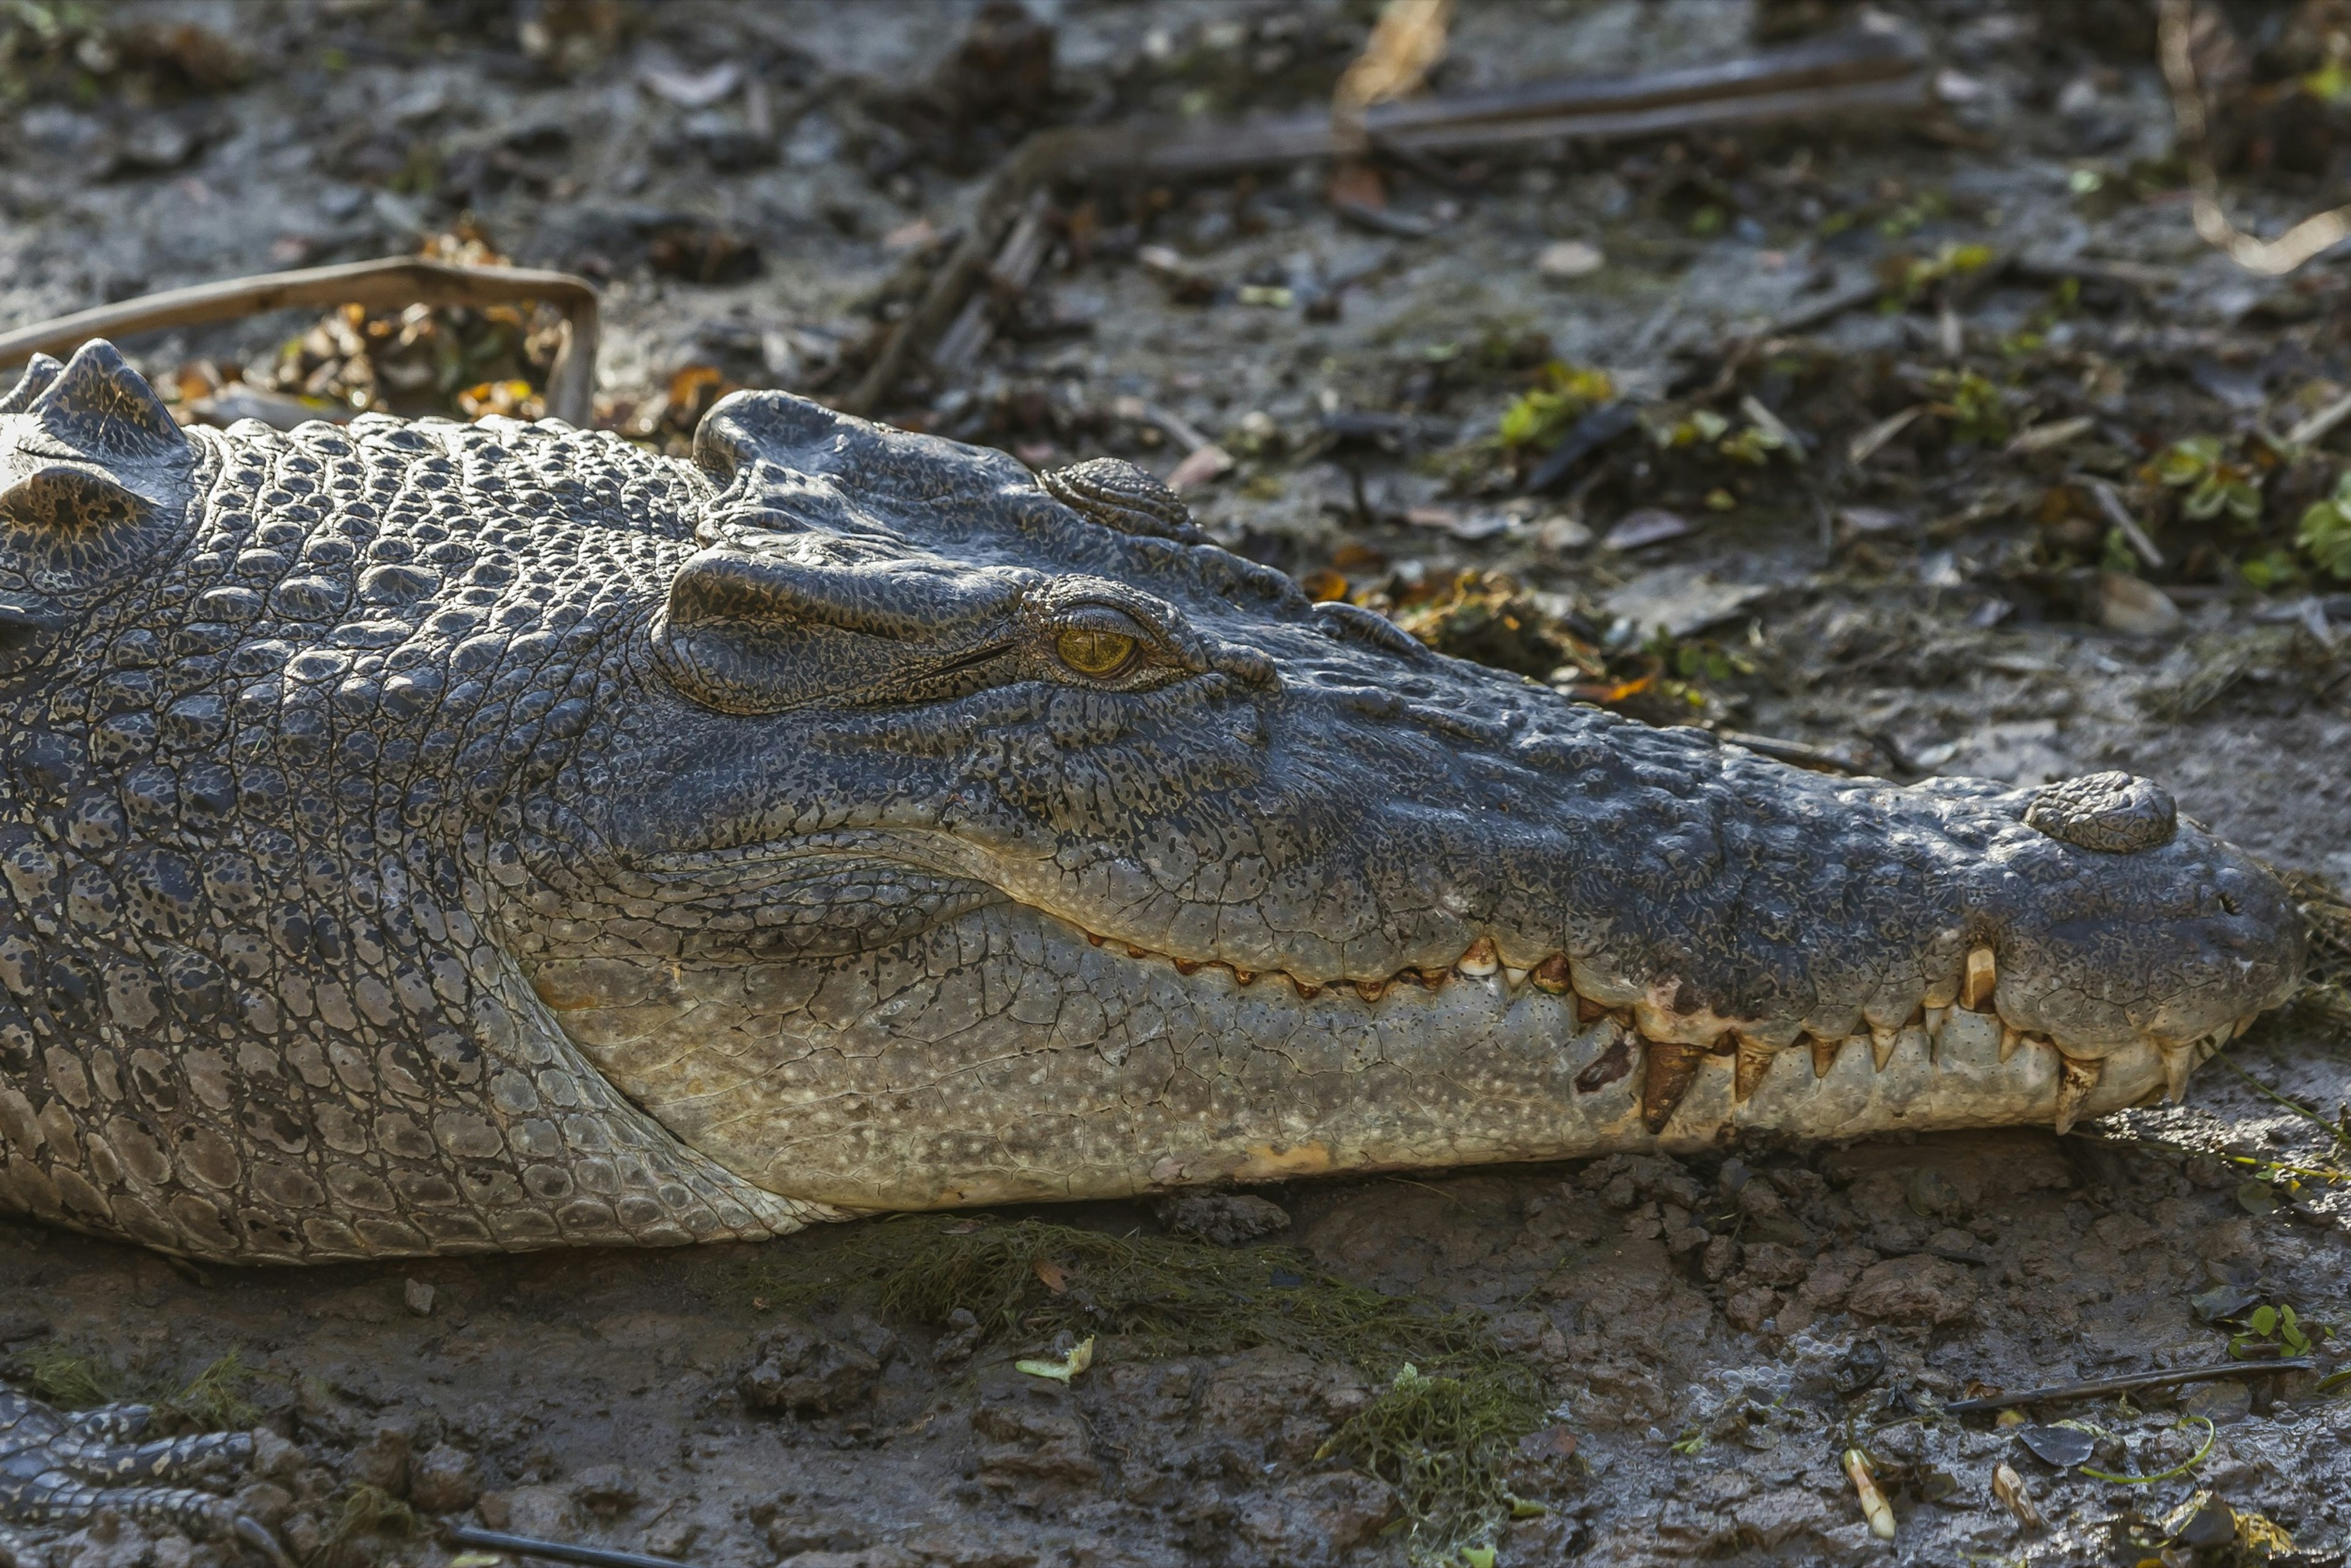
(1090, 650)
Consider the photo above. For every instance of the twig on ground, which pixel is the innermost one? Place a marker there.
(555, 1551)
(2132, 275)
(2118, 512)
(1007, 278)
(1856, 74)
(2099, 1387)
(1851, 72)
(387, 285)
(2311, 238)
(2320, 426)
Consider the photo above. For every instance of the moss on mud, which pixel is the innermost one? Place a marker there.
(213, 1400)
(1441, 1431)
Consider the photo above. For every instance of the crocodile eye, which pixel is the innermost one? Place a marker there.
(1097, 653)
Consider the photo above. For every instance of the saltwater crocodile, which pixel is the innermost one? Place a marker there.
(433, 838)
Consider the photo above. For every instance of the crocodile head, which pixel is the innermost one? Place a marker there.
(963, 838)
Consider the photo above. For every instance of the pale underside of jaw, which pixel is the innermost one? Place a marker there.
(1952, 1063)
(1006, 1056)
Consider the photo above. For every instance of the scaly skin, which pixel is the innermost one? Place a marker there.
(430, 838)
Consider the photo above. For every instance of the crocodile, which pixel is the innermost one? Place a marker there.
(427, 837)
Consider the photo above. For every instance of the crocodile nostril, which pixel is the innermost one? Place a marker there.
(2116, 812)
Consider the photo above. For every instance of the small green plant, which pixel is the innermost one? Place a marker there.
(1975, 407)
(1914, 215)
(1671, 428)
(1752, 444)
(2326, 531)
(1544, 412)
(2269, 1331)
(214, 1399)
(70, 1382)
(1910, 279)
(2200, 465)
(2270, 569)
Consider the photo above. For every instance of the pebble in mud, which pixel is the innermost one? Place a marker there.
(797, 1368)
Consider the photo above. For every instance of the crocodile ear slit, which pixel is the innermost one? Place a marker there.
(99, 407)
(39, 372)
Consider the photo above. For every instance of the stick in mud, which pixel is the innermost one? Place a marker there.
(2095, 1387)
(388, 283)
(556, 1551)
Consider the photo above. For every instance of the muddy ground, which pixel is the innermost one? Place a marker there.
(1707, 1335)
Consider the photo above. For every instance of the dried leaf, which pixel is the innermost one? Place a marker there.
(1210, 462)
(1052, 1275)
(2009, 1487)
(1645, 526)
(2062, 1446)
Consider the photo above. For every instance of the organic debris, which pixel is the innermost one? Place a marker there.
(1874, 1506)
(1064, 1368)
(1444, 1443)
(454, 362)
(2327, 979)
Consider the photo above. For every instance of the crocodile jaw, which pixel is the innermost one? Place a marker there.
(1003, 1056)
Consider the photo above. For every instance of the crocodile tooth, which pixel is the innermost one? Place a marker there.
(1370, 990)
(1934, 1018)
(2076, 1077)
(1186, 966)
(2009, 1038)
(1754, 1061)
(1244, 977)
(2179, 1061)
(1480, 961)
(1097, 941)
(1824, 1055)
(1433, 979)
(1881, 1044)
(1134, 952)
(1552, 976)
(1983, 974)
(1588, 1011)
(1514, 979)
(1306, 993)
(1666, 1074)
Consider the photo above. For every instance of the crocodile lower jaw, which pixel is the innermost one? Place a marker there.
(1957, 1065)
